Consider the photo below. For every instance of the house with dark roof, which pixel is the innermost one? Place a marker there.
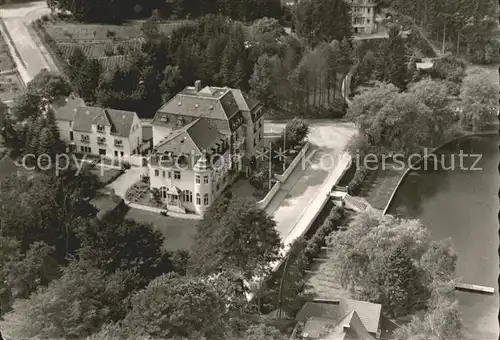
(65, 112)
(231, 111)
(191, 166)
(97, 131)
(341, 319)
(202, 138)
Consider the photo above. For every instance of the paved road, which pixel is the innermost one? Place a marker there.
(28, 53)
(309, 178)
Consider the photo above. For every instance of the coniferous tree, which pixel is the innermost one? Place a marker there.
(35, 136)
(227, 67)
(52, 124)
(239, 75)
(46, 145)
(397, 59)
(261, 81)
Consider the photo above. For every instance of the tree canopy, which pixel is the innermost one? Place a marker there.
(243, 238)
(388, 260)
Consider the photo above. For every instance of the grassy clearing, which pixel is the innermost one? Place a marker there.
(380, 184)
(178, 233)
(110, 44)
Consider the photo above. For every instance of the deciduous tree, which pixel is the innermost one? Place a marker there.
(49, 85)
(244, 238)
(75, 305)
(396, 283)
(173, 306)
(479, 101)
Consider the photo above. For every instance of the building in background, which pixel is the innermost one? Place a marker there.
(338, 319)
(98, 131)
(363, 16)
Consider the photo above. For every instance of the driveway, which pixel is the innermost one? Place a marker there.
(298, 193)
(125, 181)
(28, 52)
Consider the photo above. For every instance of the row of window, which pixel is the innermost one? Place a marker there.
(257, 125)
(360, 21)
(177, 174)
(100, 140)
(86, 149)
(187, 196)
(362, 9)
(198, 179)
(256, 139)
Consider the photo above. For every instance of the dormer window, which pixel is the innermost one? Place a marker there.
(164, 119)
(101, 128)
(180, 122)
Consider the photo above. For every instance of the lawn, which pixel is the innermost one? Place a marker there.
(178, 233)
(106, 175)
(380, 184)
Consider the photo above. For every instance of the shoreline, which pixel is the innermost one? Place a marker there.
(433, 151)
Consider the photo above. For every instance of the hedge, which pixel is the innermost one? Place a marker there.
(355, 184)
(331, 224)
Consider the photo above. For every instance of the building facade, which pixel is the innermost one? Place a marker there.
(363, 16)
(203, 138)
(98, 131)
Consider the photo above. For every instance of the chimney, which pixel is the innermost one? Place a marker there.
(197, 85)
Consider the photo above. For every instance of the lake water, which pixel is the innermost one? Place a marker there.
(463, 205)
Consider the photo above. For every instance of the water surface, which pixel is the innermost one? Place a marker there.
(463, 205)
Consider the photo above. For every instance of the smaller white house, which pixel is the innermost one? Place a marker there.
(99, 131)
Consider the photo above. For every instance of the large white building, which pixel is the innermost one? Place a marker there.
(203, 138)
(363, 16)
(98, 131)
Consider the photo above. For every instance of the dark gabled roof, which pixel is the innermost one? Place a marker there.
(245, 103)
(65, 107)
(369, 313)
(210, 102)
(349, 327)
(193, 138)
(8, 166)
(120, 121)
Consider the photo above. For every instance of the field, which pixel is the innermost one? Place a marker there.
(10, 84)
(110, 44)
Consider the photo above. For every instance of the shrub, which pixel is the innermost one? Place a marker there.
(259, 179)
(110, 34)
(355, 184)
(45, 17)
(331, 223)
(120, 49)
(126, 165)
(157, 196)
(108, 51)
